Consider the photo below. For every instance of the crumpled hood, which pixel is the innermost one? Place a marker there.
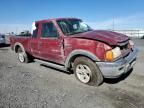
(109, 37)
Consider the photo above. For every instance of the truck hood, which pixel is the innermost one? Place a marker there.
(109, 37)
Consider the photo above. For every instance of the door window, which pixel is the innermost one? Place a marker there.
(49, 30)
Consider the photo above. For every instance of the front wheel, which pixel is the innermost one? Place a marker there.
(87, 72)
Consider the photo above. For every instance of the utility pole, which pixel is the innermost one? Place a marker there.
(113, 24)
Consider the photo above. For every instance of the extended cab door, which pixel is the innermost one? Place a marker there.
(34, 46)
(51, 44)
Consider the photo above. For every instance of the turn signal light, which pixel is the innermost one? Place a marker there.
(109, 55)
(113, 54)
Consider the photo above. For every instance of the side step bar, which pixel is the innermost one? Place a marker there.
(53, 65)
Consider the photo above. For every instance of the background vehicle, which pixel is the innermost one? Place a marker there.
(70, 44)
(142, 37)
(2, 39)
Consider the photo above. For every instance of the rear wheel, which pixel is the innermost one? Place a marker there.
(22, 56)
(87, 72)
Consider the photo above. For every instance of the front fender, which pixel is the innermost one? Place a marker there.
(76, 53)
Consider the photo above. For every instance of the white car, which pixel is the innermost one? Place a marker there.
(2, 39)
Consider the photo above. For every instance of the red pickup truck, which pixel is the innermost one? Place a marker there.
(70, 44)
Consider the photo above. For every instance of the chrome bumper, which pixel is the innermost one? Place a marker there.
(119, 67)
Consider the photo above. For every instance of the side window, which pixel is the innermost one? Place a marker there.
(35, 31)
(49, 30)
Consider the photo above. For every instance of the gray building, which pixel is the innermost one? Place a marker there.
(132, 33)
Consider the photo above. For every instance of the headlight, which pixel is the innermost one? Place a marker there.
(113, 54)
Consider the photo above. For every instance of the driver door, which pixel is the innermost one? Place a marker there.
(51, 45)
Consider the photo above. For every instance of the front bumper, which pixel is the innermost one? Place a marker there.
(119, 67)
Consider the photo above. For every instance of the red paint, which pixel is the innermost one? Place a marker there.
(57, 50)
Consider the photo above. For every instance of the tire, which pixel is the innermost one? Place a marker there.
(87, 72)
(22, 56)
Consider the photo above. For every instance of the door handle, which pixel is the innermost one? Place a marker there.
(60, 45)
(40, 43)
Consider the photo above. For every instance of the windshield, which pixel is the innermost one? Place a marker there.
(73, 26)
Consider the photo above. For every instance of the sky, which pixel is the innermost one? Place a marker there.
(18, 15)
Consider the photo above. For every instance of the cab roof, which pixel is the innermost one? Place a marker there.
(55, 19)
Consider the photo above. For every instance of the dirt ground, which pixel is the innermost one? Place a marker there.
(35, 86)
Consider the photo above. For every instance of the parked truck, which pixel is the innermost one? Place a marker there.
(2, 39)
(71, 45)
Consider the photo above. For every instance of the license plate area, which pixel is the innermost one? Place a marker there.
(130, 65)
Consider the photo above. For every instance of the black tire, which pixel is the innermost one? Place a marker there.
(26, 58)
(96, 77)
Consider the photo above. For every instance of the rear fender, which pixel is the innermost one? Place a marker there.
(17, 44)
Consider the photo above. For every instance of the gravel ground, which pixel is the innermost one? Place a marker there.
(35, 86)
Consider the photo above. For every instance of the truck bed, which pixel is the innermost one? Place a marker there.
(24, 40)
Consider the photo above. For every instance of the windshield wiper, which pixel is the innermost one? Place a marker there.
(80, 32)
